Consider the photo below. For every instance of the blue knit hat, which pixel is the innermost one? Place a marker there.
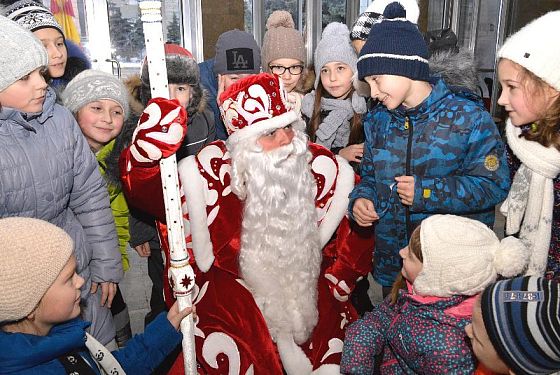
(521, 317)
(395, 46)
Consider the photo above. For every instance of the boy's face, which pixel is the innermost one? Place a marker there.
(523, 102)
(53, 41)
(181, 92)
(26, 94)
(101, 121)
(61, 302)
(481, 344)
(390, 90)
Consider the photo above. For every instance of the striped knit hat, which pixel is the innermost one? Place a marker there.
(374, 14)
(522, 321)
(395, 46)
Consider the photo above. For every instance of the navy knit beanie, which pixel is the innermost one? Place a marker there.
(522, 321)
(395, 46)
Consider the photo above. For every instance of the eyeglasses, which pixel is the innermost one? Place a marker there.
(386, 209)
(295, 70)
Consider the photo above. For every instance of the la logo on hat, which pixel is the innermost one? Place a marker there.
(239, 59)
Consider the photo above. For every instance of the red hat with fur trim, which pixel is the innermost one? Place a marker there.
(255, 105)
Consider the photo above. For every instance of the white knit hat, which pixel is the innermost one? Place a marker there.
(536, 48)
(32, 254)
(462, 256)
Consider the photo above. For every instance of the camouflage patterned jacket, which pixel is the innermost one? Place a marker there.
(451, 146)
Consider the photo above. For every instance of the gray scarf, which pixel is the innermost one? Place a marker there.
(334, 130)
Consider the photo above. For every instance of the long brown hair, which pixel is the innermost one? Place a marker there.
(547, 131)
(415, 247)
(356, 127)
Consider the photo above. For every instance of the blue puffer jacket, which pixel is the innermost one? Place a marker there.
(451, 146)
(209, 81)
(47, 171)
(24, 354)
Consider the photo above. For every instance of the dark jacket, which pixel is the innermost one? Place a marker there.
(25, 354)
(451, 146)
(416, 335)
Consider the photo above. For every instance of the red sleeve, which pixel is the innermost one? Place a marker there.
(142, 186)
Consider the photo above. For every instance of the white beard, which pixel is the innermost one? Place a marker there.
(280, 255)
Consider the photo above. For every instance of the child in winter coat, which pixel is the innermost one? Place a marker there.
(428, 149)
(47, 171)
(530, 78)
(333, 110)
(40, 328)
(420, 327)
(99, 102)
(513, 328)
(35, 17)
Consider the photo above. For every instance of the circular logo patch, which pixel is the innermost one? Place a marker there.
(491, 163)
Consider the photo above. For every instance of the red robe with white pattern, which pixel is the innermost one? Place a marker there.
(231, 334)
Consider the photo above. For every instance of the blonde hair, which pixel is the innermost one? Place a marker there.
(547, 131)
(415, 247)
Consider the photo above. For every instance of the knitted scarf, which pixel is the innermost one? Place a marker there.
(530, 201)
(105, 360)
(334, 130)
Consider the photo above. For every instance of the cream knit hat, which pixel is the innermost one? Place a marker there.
(462, 256)
(32, 254)
(536, 48)
(282, 40)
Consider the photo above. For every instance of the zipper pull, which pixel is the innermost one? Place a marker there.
(406, 123)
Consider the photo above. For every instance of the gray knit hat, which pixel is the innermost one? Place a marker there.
(237, 52)
(32, 254)
(334, 46)
(21, 54)
(91, 85)
(31, 15)
(282, 40)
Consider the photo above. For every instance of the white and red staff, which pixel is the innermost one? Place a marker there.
(180, 272)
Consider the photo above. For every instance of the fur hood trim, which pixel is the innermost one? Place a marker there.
(458, 69)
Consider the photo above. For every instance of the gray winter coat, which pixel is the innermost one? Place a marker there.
(48, 171)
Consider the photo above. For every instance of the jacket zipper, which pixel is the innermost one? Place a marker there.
(410, 127)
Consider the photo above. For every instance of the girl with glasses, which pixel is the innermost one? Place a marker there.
(283, 54)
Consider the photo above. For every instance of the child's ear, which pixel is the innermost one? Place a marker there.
(511, 372)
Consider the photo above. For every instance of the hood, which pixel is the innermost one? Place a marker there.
(458, 69)
(21, 351)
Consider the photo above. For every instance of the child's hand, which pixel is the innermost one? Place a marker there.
(353, 152)
(160, 131)
(405, 189)
(364, 212)
(175, 316)
(143, 249)
(108, 291)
